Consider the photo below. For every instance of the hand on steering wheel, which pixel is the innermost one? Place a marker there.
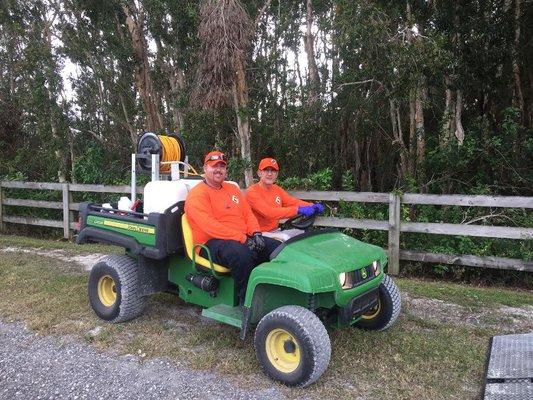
(299, 221)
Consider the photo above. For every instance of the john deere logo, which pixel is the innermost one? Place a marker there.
(363, 273)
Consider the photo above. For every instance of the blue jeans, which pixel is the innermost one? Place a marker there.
(239, 259)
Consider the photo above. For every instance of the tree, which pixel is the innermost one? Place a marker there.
(225, 33)
(424, 96)
(135, 21)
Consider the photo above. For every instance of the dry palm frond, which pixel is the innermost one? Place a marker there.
(225, 32)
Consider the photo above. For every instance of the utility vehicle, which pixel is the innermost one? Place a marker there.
(319, 280)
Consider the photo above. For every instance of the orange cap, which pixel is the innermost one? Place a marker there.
(268, 163)
(215, 157)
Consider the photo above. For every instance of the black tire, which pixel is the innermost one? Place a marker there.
(303, 347)
(114, 289)
(386, 312)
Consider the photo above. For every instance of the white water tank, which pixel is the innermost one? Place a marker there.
(160, 195)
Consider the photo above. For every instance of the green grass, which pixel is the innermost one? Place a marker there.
(416, 359)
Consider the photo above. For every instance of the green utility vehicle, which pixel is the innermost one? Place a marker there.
(317, 280)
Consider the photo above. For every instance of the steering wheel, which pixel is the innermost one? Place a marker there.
(299, 222)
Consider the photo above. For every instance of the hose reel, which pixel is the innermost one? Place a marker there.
(169, 147)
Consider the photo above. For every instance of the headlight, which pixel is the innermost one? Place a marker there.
(342, 278)
(347, 279)
(376, 266)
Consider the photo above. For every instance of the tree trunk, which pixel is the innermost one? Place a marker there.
(143, 80)
(418, 95)
(459, 131)
(298, 72)
(412, 96)
(53, 111)
(407, 159)
(397, 135)
(177, 87)
(335, 62)
(343, 131)
(457, 125)
(412, 127)
(314, 79)
(530, 103)
(448, 116)
(518, 98)
(127, 124)
(240, 98)
(358, 176)
(369, 166)
(72, 156)
(421, 93)
(176, 82)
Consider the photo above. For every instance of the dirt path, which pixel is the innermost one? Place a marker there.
(506, 319)
(37, 367)
(85, 260)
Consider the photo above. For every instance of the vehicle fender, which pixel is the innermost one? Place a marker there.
(298, 276)
(99, 235)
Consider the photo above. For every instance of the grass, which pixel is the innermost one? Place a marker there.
(416, 359)
(466, 295)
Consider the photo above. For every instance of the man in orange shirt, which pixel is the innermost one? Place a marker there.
(221, 219)
(270, 203)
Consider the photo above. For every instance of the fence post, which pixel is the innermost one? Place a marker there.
(2, 226)
(66, 211)
(394, 234)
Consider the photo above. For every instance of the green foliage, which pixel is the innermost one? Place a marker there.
(348, 181)
(88, 167)
(320, 180)
(236, 168)
(374, 59)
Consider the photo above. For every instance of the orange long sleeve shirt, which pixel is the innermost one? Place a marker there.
(219, 213)
(272, 204)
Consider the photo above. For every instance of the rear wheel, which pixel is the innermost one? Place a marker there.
(292, 346)
(385, 313)
(114, 289)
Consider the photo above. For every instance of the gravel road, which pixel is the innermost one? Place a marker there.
(37, 367)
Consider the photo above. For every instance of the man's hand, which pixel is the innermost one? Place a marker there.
(255, 243)
(306, 210)
(250, 242)
(319, 208)
(259, 241)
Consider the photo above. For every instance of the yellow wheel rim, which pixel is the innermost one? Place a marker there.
(107, 292)
(283, 350)
(373, 312)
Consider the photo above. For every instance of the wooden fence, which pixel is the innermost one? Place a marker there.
(393, 225)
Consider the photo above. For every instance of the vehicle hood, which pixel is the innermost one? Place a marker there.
(314, 262)
(334, 251)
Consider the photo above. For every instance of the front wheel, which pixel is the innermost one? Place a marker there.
(114, 289)
(385, 313)
(292, 346)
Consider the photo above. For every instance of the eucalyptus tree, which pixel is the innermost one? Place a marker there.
(34, 85)
(424, 95)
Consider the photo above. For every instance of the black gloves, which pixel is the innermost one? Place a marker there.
(255, 243)
(259, 241)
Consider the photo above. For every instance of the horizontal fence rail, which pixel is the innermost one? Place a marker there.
(393, 225)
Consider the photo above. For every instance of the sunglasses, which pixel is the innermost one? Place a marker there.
(217, 157)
